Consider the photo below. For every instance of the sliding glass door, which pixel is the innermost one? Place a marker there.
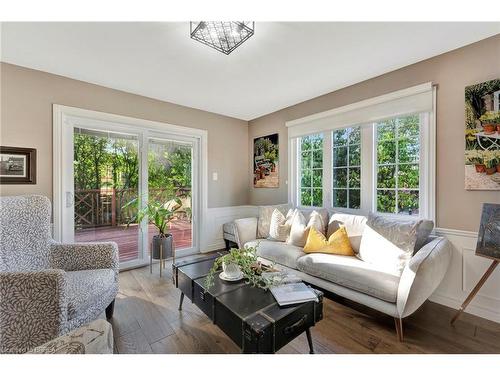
(110, 170)
(106, 178)
(170, 177)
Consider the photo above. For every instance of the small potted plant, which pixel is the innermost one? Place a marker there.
(478, 164)
(160, 215)
(244, 262)
(491, 165)
(475, 158)
(489, 122)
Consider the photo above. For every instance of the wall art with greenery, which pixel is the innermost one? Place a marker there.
(482, 136)
(265, 161)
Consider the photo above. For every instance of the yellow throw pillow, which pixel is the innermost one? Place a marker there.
(338, 243)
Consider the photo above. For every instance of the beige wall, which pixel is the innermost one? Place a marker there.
(456, 207)
(26, 120)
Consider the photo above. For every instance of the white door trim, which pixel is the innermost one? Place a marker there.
(62, 118)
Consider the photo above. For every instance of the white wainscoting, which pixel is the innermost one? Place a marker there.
(215, 217)
(465, 271)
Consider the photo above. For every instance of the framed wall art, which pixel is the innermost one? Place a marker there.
(265, 161)
(17, 165)
(482, 136)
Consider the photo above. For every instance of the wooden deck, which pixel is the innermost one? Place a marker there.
(127, 238)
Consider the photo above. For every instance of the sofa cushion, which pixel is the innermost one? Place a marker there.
(85, 287)
(354, 225)
(388, 242)
(278, 252)
(353, 273)
(264, 222)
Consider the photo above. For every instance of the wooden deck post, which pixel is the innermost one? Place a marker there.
(113, 208)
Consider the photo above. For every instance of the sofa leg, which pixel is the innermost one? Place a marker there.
(110, 309)
(399, 328)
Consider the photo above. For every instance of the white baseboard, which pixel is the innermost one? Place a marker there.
(215, 246)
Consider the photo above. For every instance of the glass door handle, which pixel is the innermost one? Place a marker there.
(69, 199)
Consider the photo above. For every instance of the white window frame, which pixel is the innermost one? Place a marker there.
(418, 98)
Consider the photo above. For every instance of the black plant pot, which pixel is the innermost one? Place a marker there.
(167, 242)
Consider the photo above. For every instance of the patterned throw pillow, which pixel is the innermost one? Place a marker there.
(338, 243)
(280, 225)
(388, 242)
(264, 222)
(300, 227)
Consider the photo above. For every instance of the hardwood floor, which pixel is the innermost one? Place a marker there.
(146, 320)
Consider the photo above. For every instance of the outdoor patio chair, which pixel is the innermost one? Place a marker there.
(46, 288)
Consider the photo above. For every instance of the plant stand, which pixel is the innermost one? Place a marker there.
(162, 260)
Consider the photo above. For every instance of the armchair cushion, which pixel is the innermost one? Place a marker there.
(85, 256)
(86, 288)
(33, 309)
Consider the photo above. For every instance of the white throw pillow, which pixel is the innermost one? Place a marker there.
(354, 225)
(264, 222)
(300, 227)
(388, 242)
(280, 225)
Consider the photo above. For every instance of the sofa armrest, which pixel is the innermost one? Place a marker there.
(422, 275)
(246, 230)
(93, 338)
(33, 309)
(84, 256)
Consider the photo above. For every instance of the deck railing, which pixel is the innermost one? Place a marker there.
(104, 207)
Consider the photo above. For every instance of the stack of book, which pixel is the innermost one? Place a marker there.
(293, 293)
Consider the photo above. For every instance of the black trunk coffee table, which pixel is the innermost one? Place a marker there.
(249, 316)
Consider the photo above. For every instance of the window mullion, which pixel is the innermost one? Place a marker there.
(367, 168)
(396, 177)
(327, 169)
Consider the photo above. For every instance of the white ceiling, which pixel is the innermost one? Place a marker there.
(281, 65)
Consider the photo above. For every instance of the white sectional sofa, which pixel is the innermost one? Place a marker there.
(398, 294)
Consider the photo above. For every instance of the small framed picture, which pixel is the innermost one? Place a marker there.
(17, 165)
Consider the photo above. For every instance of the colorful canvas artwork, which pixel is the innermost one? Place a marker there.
(482, 136)
(265, 161)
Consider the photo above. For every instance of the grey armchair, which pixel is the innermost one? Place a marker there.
(46, 288)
